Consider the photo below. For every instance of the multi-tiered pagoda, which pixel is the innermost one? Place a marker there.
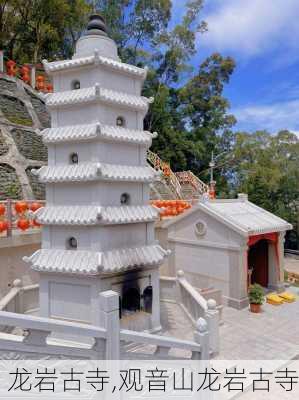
(98, 226)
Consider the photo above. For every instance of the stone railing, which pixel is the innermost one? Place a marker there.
(35, 340)
(193, 303)
(20, 299)
(166, 171)
(199, 348)
(187, 177)
(195, 306)
(34, 337)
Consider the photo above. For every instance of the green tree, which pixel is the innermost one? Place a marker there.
(267, 168)
(204, 109)
(35, 29)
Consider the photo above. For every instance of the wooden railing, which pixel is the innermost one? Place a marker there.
(167, 174)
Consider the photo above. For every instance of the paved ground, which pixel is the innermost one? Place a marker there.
(291, 264)
(273, 334)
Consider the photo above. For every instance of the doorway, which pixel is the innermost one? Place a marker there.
(258, 261)
(131, 300)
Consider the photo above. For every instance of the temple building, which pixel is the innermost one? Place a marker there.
(226, 244)
(98, 225)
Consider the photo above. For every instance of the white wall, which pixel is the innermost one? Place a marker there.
(103, 193)
(88, 113)
(110, 153)
(106, 79)
(99, 238)
(215, 259)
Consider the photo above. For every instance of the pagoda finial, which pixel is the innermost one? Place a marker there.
(96, 25)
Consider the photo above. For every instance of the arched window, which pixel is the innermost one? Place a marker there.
(76, 85)
(72, 243)
(74, 158)
(120, 121)
(125, 199)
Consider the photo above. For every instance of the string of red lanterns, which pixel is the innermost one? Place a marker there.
(23, 221)
(171, 208)
(41, 85)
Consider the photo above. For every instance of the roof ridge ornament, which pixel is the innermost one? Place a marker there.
(96, 25)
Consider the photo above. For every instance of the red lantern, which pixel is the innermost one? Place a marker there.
(35, 206)
(49, 87)
(11, 68)
(40, 83)
(23, 224)
(166, 170)
(2, 209)
(21, 207)
(3, 226)
(25, 74)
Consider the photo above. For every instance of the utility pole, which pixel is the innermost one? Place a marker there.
(212, 193)
(212, 166)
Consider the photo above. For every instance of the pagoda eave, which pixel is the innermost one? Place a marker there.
(84, 262)
(95, 95)
(96, 132)
(55, 67)
(87, 172)
(93, 215)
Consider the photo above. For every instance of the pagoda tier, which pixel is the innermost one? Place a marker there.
(95, 263)
(92, 215)
(86, 172)
(95, 132)
(97, 94)
(93, 61)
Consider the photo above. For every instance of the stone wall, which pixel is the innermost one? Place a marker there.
(9, 183)
(30, 144)
(22, 116)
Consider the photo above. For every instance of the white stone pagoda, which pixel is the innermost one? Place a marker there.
(98, 226)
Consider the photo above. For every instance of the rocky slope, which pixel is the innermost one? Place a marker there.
(22, 116)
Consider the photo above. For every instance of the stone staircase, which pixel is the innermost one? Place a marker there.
(174, 185)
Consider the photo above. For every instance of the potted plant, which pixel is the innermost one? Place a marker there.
(256, 298)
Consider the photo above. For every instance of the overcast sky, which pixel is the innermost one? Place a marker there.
(263, 38)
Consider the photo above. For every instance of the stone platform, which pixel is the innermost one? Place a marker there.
(273, 334)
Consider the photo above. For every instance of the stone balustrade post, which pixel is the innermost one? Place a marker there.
(201, 336)
(212, 318)
(19, 304)
(33, 76)
(179, 277)
(109, 304)
(9, 217)
(1, 62)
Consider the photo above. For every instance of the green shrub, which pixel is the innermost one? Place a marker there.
(256, 294)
